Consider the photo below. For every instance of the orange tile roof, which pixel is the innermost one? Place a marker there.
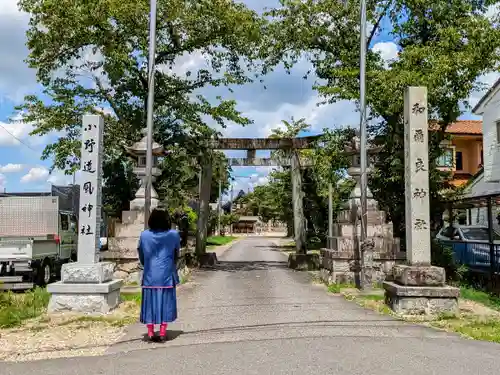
(463, 127)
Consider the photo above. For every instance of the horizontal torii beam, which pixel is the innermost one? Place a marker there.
(264, 162)
(264, 143)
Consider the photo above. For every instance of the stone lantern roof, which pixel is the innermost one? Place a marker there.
(140, 147)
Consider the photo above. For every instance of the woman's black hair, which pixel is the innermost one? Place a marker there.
(159, 220)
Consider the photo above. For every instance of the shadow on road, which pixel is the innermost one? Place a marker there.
(246, 266)
(171, 335)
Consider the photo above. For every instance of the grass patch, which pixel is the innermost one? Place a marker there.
(15, 308)
(132, 297)
(471, 327)
(337, 287)
(481, 297)
(219, 240)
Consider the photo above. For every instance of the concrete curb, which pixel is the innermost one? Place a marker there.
(220, 250)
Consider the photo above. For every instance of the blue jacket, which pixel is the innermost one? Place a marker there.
(157, 251)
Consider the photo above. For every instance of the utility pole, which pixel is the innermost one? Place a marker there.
(231, 204)
(362, 125)
(330, 211)
(219, 207)
(150, 108)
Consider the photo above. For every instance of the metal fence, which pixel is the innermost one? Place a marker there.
(480, 258)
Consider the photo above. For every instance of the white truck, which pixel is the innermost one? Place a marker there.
(36, 238)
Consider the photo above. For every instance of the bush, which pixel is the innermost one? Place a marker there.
(442, 256)
(15, 308)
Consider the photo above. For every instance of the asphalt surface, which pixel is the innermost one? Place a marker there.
(251, 315)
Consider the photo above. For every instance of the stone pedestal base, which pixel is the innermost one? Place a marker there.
(85, 288)
(304, 262)
(421, 300)
(76, 273)
(84, 298)
(420, 290)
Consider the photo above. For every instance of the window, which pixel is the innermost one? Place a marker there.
(446, 158)
(482, 160)
(64, 222)
(447, 232)
(478, 234)
(497, 124)
(458, 161)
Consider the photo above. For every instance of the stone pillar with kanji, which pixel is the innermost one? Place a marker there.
(87, 285)
(418, 287)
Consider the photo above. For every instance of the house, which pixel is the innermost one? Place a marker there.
(463, 154)
(489, 108)
(474, 193)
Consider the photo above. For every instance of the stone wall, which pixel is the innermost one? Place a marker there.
(128, 268)
(344, 267)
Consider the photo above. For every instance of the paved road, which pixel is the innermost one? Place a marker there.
(251, 315)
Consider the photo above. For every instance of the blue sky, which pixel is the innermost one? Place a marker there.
(286, 95)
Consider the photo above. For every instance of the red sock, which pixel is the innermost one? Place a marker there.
(163, 329)
(151, 329)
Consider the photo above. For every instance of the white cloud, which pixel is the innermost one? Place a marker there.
(11, 168)
(9, 7)
(12, 132)
(35, 174)
(2, 182)
(388, 51)
(16, 78)
(319, 117)
(493, 12)
(488, 80)
(17, 132)
(58, 177)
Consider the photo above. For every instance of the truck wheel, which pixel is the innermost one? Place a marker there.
(44, 273)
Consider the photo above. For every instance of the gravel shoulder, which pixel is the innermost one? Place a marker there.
(73, 335)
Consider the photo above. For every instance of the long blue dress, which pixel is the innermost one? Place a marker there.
(157, 254)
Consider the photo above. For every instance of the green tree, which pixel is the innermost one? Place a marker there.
(91, 55)
(444, 46)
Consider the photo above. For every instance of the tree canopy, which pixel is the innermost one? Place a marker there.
(91, 57)
(445, 46)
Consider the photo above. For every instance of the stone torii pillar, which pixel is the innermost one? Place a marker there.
(298, 205)
(205, 188)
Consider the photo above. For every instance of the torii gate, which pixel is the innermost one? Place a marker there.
(251, 145)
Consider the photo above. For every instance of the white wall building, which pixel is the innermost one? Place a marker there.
(478, 189)
(489, 108)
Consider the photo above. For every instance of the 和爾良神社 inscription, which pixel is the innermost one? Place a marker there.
(90, 189)
(418, 136)
(418, 108)
(417, 176)
(418, 287)
(420, 165)
(419, 193)
(420, 224)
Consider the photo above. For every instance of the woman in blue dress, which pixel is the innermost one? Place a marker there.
(158, 253)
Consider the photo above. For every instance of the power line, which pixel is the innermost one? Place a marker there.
(18, 139)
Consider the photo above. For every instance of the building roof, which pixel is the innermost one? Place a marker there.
(466, 127)
(486, 96)
(478, 187)
(470, 127)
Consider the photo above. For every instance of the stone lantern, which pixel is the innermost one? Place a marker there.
(138, 151)
(345, 257)
(347, 225)
(354, 171)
